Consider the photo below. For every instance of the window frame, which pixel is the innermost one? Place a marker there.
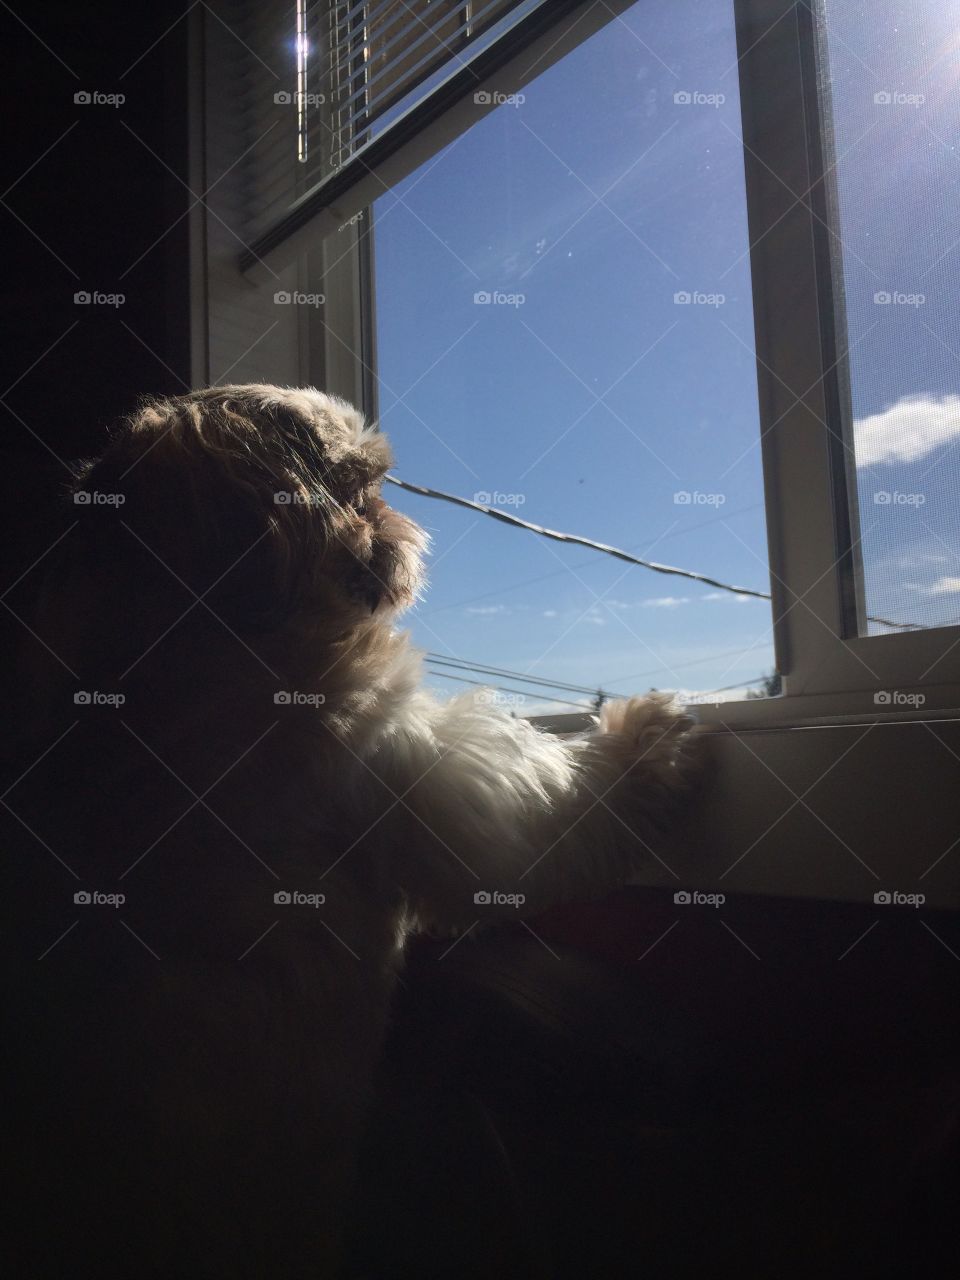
(828, 669)
(830, 672)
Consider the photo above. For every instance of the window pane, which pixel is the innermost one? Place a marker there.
(565, 332)
(894, 86)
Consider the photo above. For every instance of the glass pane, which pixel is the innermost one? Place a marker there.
(893, 70)
(565, 332)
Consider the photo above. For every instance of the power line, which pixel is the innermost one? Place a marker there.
(577, 540)
(679, 666)
(444, 675)
(616, 552)
(464, 664)
(586, 564)
(741, 684)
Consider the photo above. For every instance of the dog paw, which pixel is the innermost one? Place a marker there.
(655, 715)
(655, 730)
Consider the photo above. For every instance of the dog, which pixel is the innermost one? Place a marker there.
(280, 803)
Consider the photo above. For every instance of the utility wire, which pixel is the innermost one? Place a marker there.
(678, 666)
(444, 675)
(464, 664)
(587, 564)
(605, 548)
(577, 539)
(741, 684)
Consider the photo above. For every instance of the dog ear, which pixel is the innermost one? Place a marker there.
(163, 526)
(168, 540)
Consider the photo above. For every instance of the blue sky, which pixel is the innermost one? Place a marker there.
(896, 91)
(587, 397)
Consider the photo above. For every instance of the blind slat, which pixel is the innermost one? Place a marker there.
(360, 59)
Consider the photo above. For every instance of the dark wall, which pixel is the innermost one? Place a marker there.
(92, 203)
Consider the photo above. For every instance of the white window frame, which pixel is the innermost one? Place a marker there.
(831, 673)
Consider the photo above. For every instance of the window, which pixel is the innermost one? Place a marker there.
(895, 110)
(565, 333)
(619, 269)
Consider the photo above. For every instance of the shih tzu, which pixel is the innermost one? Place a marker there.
(279, 802)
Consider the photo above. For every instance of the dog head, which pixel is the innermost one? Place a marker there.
(264, 501)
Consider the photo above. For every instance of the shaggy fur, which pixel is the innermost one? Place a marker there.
(252, 556)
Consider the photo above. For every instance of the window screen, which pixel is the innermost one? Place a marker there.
(891, 79)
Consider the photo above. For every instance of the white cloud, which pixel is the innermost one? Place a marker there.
(944, 586)
(665, 602)
(728, 595)
(549, 613)
(487, 609)
(907, 431)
